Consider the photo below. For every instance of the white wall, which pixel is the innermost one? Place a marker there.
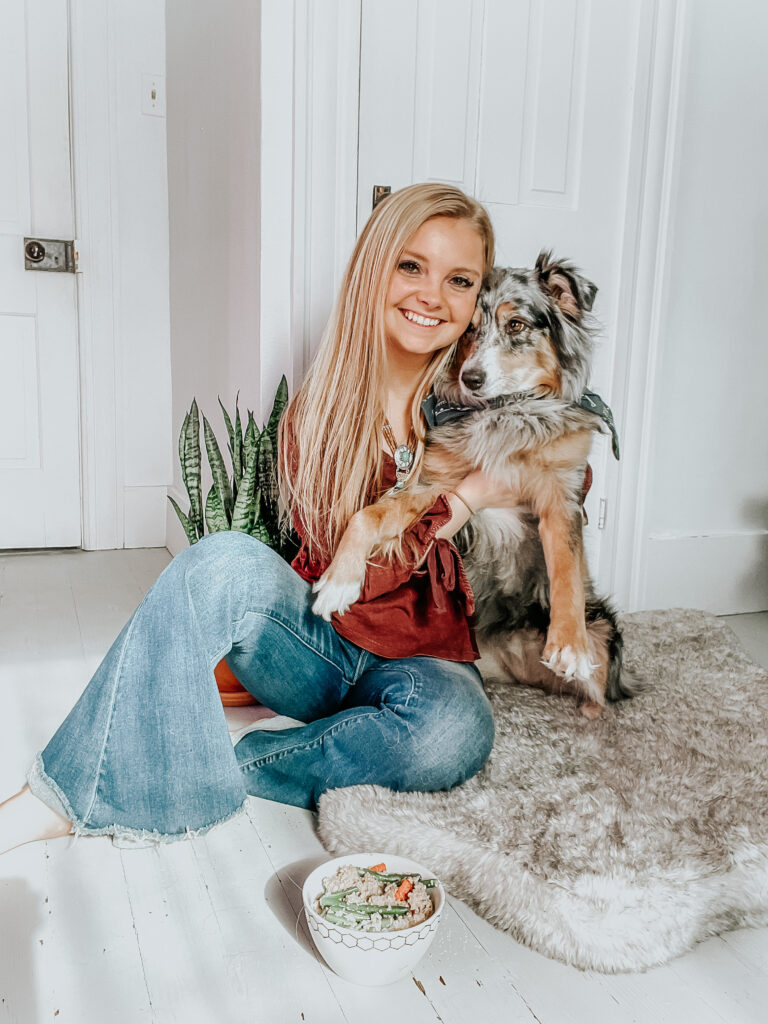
(706, 519)
(213, 178)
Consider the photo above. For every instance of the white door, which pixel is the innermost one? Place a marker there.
(39, 448)
(526, 106)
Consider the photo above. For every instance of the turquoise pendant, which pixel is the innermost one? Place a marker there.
(403, 457)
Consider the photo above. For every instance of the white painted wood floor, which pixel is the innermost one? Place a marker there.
(208, 930)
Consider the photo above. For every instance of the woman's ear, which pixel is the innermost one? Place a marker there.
(572, 292)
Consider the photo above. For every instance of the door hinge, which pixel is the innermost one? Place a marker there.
(601, 514)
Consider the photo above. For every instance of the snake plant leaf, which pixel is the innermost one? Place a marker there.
(182, 439)
(243, 514)
(186, 522)
(251, 456)
(218, 471)
(215, 516)
(281, 400)
(260, 531)
(268, 486)
(228, 422)
(190, 458)
(238, 462)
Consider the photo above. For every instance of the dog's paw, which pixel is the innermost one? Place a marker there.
(590, 709)
(333, 596)
(570, 663)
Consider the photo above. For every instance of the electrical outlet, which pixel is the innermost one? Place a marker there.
(153, 95)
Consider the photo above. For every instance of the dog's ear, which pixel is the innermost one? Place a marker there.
(572, 292)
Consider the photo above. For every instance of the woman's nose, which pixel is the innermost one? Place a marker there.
(429, 293)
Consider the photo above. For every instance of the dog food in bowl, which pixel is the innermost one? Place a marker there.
(382, 937)
(372, 900)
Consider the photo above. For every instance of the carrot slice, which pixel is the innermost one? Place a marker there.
(401, 892)
(378, 867)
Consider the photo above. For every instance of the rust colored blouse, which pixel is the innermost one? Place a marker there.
(404, 611)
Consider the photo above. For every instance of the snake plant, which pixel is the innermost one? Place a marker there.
(248, 499)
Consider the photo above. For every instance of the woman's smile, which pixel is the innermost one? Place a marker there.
(422, 321)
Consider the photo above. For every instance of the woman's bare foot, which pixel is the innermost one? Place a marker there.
(25, 819)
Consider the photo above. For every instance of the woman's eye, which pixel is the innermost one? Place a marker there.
(515, 326)
(408, 266)
(463, 282)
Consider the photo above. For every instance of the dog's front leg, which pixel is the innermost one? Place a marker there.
(368, 530)
(566, 652)
(341, 583)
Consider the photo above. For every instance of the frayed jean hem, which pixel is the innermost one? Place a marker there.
(46, 789)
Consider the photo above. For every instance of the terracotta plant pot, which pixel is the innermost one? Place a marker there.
(231, 692)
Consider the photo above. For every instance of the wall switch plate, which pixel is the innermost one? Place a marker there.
(153, 95)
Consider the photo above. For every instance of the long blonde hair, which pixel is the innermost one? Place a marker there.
(334, 423)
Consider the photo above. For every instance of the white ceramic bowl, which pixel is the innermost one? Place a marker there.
(371, 958)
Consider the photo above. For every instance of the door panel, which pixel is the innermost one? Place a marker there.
(528, 107)
(19, 413)
(39, 445)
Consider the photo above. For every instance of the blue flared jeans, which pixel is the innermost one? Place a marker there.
(146, 751)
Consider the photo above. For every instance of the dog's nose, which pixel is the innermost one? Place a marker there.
(473, 379)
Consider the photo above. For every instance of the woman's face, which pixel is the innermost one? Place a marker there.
(433, 290)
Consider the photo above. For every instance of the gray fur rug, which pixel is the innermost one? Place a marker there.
(612, 845)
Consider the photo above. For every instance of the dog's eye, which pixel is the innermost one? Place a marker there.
(515, 326)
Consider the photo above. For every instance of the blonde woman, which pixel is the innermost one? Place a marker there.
(386, 693)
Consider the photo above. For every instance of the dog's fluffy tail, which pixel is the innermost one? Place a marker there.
(621, 682)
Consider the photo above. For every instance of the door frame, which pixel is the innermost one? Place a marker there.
(122, 497)
(309, 187)
(92, 90)
(643, 296)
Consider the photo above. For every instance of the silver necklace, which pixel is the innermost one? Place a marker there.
(403, 454)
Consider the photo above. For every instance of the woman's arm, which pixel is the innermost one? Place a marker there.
(478, 491)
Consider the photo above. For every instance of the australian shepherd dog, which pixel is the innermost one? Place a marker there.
(516, 389)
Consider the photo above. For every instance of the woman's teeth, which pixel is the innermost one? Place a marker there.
(424, 321)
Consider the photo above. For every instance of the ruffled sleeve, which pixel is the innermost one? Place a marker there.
(438, 559)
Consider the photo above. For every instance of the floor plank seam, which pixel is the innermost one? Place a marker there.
(138, 940)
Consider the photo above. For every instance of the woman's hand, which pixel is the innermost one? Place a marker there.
(481, 491)
(478, 491)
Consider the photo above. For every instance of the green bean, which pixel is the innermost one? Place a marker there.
(350, 911)
(329, 898)
(335, 918)
(428, 882)
(375, 908)
(381, 877)
(363, 923)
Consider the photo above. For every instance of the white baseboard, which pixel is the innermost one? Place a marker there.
(723, 573)
(145, 518)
